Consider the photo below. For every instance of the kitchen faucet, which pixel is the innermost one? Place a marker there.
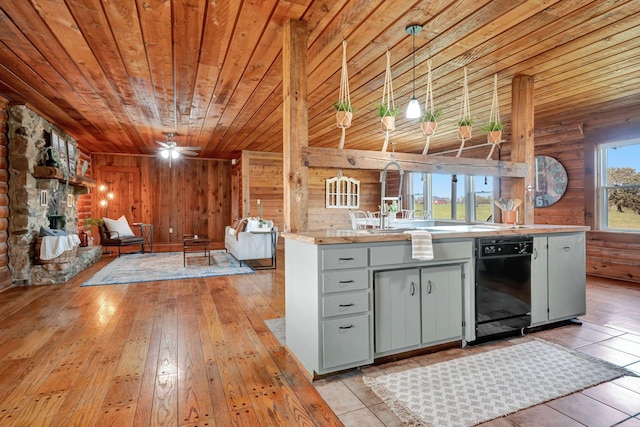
(383, 190)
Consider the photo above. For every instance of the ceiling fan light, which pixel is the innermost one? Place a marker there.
(164, 153)
(175, 154)
(413, 110)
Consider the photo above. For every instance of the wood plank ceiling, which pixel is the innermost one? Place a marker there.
(120, 74)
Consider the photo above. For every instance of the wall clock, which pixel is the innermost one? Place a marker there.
(551, 181)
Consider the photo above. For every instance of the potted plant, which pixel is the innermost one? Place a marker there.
(464, 128)
(429, 121)
(344, 113)
(86, 229)
(388, 116)
(494, 129)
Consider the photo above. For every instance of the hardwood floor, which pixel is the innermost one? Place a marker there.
(183, 353)
(175, 353)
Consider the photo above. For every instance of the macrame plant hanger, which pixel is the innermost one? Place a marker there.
(428, 106)
(343, 121)
(465, 113)
(387, 103)
(343, 192)
(494, 117)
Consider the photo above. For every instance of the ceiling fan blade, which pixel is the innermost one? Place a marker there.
(188, 153)
(189, 147)
(164, 144)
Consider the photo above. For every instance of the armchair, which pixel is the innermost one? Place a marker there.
(248, 243)
(112, 238)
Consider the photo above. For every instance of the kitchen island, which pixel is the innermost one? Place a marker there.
(352, 296)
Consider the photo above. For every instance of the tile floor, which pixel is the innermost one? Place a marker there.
(614, 403)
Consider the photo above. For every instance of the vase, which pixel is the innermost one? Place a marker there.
(388, 123)
(428, 128)
(464, 132)
(494, 137)
(343, 119)
(84, 239)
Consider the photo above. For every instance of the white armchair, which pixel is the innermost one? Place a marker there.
(252, 241)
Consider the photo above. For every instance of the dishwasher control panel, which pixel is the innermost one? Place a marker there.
(505, 246)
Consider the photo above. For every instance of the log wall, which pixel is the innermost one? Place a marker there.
(5, 274)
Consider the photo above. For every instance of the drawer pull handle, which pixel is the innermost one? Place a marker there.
(346, 281)
(430, 286)
(346, 259)
(347, 305)
(346, 327)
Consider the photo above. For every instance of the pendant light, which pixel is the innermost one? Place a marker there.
(413, 110)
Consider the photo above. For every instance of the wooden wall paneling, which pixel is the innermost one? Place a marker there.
(174, 197)
(236, 192)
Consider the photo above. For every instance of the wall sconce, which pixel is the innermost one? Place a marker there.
(105, 197)
(413, 109)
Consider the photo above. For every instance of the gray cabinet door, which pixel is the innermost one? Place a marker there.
(567, 276)
(397, 309)
(441, 303)
(539, 288)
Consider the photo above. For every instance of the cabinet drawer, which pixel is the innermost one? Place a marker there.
(345, 303)
(333, 259)
(401, 254)
(348, 280)
(346, 341)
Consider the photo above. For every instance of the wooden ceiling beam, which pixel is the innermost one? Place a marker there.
(333, 158)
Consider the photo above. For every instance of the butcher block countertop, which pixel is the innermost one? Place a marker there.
(330, 237)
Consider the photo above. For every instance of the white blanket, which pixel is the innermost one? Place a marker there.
(53, 246)
(421, 245)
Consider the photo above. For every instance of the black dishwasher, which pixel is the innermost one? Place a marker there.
(503, 286)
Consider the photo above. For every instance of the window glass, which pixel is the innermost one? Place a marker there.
(482, 191)
(619, 188)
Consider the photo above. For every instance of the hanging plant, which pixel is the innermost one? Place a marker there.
(386, 109)
(465, 120)
(465, 127)
(388, 117)
(429, 120)
(344, 111)
(344, 114)
(494, 127)
(494, 131)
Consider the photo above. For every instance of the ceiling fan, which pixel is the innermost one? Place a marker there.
(170, 149)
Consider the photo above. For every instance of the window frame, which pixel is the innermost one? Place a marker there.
(602, 189)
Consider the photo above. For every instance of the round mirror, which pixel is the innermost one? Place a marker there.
(551, 181)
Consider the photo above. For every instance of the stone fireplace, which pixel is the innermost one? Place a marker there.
(38, 199)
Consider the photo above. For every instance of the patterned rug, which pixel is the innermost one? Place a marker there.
(478, 388)
(135, 268)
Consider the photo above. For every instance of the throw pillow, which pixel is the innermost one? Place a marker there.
(240, 227)
(119, 226)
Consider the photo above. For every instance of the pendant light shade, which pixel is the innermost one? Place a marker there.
(413, 109)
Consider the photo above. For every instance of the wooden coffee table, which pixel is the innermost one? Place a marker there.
(192, 243)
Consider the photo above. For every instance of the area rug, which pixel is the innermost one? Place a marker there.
(478, 388)
(278, 329)
(136, 268)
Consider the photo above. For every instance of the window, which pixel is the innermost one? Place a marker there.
(442, 189)
(481, 197)
(619, 186)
